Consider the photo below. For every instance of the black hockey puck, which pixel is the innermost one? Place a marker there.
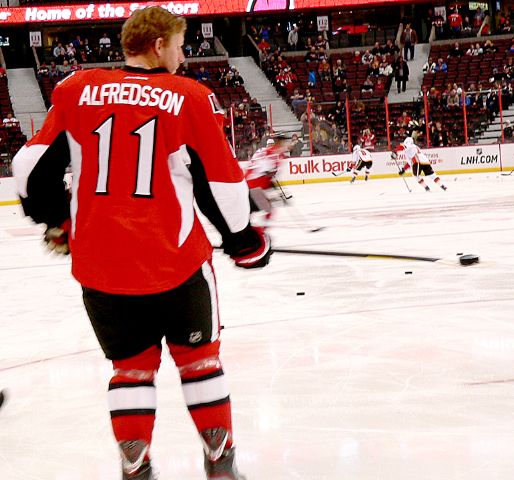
(2, 397)
(300, 293)
(469, 259)
(408, 273)
(460, 253)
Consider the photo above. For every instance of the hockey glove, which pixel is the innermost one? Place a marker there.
(348, 169)
(394, 156)
(257, 256)
(401, 172)
(56, 238)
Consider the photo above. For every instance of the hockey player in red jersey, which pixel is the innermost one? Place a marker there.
(260, 174)
(144, 145)
(420, 163)
(361, 158)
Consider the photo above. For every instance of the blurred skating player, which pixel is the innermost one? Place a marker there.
(420, 163)
(138, 248)
(260, 174)
(361, 159)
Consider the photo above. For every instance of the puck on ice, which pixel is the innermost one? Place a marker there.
(407, 273)
(300, 293)
(469, 259)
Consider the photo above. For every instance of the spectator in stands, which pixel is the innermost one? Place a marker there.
(367, 85)
(237, 80)
(438, 24)
(296, 146)
(374, 68)
(297, 99)
(441, 66)
(292, 38)
(507, 27)
(255, 105)
(43, 71)
(455, 51)
(308, 44)
(438, 136)
(322, 55)
(478, 19)
(508, 129)
(324, 71)
(342, 86)
(64, 69)
(434, 96)
(200, 52)
(357, 106)
(311, 79)
(391, 49)
(337, 114)
(59, 54)
(105, 42)
(87, 51)
(339, 70)
(74, 65)
(404, 119)
(311, 56)
(377, 49)
(264, 32)
(70, 51)
(429, 66)
(203, 75)
(264, 45)
(467, 26)
(452, 101)
(456, 23)
(205, 45)
(10, 121)
(401, 74)
(367, 139)
(357, 57)
(321, 43)
(188, 51)
(386, 70)
(408, 39)
(474, 50)
(367, 58)
(78, 43)
(490, 47)
(53, 69)
(111, 56)
(380, 86)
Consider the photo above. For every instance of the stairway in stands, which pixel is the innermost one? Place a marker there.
(258, 86)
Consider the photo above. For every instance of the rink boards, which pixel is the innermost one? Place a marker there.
(451, 160)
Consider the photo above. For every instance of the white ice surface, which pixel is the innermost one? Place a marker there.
(373, 374)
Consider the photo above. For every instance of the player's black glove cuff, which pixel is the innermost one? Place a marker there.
(401, 172)
(250, 248)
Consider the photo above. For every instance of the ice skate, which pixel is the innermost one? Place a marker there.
(219, 462)
(352, 180)
(133, 462)
(444, 187)
(427, 189)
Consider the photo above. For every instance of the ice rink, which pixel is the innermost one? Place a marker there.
(384, 369)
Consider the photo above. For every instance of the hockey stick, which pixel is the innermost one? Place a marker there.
(338, 174)
(393, 156)
(353, 254)
(284, 196)
(508, 174)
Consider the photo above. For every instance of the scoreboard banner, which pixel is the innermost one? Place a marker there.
(98, 12)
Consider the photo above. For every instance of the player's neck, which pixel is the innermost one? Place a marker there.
(142, 61)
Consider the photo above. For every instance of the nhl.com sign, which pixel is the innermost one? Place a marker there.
(480, 157)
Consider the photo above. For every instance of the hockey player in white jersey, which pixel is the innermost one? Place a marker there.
(361, 159)
(420, 163)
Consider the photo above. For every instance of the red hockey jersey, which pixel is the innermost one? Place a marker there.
(143, 145)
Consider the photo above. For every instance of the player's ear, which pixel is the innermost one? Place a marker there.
(159, 46)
